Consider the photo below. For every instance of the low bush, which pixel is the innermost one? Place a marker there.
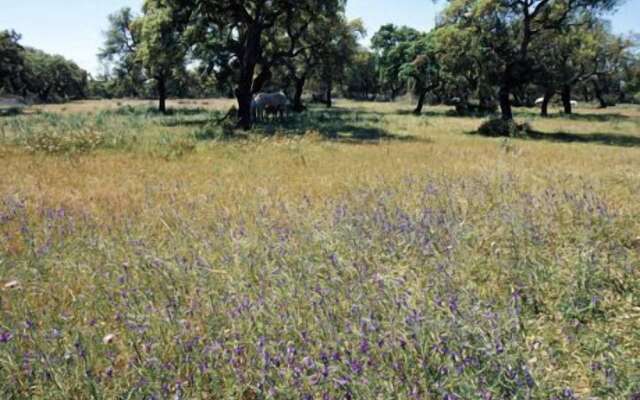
(69, 143)
(497, 127)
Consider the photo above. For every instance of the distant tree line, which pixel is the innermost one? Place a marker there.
(482, 56)
(36, 75)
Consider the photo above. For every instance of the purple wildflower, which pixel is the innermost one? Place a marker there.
(356, 367)
(5, 337)
(364, 346)
(342, 381)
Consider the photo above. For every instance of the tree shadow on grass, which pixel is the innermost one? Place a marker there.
(342, 125)
(604, 117)
(335, 124)
(448, 113)
(608, 139)
(424, 113)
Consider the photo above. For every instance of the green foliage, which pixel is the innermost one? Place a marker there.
(503, 35)
(361, 76)
(125, 76)
(161, 49)
(54, 78)
(338, 52)
(32, 73)
(11, 63)
(393, 48)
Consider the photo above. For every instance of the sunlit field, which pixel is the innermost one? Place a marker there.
(358, 252)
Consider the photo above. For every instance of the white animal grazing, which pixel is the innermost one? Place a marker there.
(541, 100)
(275, 104)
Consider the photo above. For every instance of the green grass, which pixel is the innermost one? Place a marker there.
(356, 253)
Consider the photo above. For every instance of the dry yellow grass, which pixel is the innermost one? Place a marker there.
(283, 167)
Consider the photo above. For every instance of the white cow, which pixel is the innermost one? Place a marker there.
(540, 100)
(275, 104)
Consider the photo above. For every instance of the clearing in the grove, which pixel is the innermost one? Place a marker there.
(353, 252)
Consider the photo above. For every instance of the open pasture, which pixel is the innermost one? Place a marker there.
(358, 252)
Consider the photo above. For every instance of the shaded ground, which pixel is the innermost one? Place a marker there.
(609, 139)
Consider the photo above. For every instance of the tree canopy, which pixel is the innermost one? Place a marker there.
(481, 54)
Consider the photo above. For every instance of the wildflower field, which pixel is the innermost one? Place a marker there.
(354, 253)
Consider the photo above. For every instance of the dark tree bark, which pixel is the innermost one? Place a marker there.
(244, 89)
(598, 93)
(566, 99)
(544, 109)
(297, 97)
(422, 97)
(420, 105)
(505, 102)
(262, 78)
(328, 94)
(162, 94)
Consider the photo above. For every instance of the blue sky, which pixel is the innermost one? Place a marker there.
(73, 28)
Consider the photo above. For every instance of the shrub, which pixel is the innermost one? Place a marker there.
(497, 127)
(69, 143)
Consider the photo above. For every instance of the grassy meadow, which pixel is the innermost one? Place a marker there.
(354, 253)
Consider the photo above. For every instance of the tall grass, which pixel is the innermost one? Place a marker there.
(422, 263)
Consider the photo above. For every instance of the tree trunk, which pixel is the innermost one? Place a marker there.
(394, 93)
(505, 103)
(262, 78)
(421, 98)
(598, 93)
(328, 94)
(297, 97)
(244, 90)
(544, 109)
(162, 94)
(566, 99)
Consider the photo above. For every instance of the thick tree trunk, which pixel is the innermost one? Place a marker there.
(244, 90)
(162, 94)
(421, 98)
(262, 78)
(297, 97)
(244, 97)
(328, 94)
(598, 94)
(505, 103)
(544, 109)
(566, 99)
